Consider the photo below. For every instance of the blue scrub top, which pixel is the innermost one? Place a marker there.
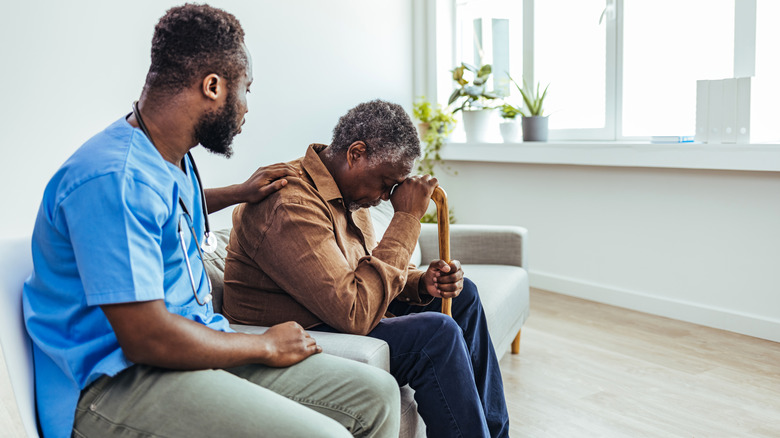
(107, 233)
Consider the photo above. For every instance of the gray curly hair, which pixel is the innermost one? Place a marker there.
(384, 127)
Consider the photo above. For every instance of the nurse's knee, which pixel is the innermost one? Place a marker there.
(383, 385)
(380, 402)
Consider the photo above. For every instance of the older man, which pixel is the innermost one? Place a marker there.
(308, 253)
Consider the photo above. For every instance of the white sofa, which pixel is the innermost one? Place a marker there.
(493, 256)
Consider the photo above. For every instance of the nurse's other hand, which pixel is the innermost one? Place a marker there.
(287, 344)
(265, 181)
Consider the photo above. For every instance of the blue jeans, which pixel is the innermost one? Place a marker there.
(450, 363)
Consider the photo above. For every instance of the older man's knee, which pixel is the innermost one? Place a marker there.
(437, 325)
(469, 292)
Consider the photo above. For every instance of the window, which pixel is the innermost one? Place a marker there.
(570, 54)
(766, 84)
(624, 70)
(667, 46)
(491, 32)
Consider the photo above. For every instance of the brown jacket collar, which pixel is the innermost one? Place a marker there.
(319, 174)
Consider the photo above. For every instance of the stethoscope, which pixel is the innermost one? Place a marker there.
(209, 240)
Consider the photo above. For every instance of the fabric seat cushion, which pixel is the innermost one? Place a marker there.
(501, 287)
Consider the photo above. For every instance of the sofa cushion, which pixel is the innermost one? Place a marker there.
(501, 287)
(371, 351)
(215, 268)
(15, 344)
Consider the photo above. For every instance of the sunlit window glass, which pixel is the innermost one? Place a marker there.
(766, 84)
(570, 52)
(491, 32)
(667, 46)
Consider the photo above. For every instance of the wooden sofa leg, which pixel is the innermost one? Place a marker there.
(516, 343)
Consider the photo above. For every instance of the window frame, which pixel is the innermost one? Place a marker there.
(612, 72)
(441, 15)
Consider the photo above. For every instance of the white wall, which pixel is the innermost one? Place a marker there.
(701, 246)
(71, 68)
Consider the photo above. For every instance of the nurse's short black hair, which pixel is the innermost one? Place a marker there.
(192, 41)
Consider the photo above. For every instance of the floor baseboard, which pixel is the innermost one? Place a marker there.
(697, 313)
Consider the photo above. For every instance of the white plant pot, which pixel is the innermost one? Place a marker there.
(477, 125)
(510, 131)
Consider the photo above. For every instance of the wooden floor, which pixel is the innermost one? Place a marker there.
(592, 370)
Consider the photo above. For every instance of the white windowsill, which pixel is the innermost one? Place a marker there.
(748, 157)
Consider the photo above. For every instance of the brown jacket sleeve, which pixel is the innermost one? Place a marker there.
(413, 292)
(307, 262)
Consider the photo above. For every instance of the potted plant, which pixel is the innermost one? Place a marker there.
(436, 124)
(473, 92)
(534, 123)
(510, 129)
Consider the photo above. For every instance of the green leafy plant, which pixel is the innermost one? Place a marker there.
(436, 124)
(431, 217)
(533, 100)
(509, 112)
(473, 91)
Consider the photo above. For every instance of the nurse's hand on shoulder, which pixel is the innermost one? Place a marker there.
(287, 344)
(265, 181)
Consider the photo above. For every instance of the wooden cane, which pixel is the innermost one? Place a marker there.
(439, 197)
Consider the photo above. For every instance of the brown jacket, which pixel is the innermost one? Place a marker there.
(300, 255)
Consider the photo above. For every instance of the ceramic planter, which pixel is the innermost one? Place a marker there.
(477, 125)
(510, 130)
(535, 128)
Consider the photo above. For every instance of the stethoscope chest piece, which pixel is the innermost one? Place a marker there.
(209, 243)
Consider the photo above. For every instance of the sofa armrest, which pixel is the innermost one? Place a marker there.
(478, 244)
(364, 349)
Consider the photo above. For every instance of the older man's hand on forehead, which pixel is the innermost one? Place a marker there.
(414, 194)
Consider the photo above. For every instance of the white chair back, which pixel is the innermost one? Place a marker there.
(15, 267)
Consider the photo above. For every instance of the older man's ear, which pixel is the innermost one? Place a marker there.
(355, 153)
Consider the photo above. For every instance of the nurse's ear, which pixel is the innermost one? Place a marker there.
(213, 87)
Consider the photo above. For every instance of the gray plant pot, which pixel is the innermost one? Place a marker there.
(535, 128)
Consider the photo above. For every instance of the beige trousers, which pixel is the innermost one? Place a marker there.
(323, 396)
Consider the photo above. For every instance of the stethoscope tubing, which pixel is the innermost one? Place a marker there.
(207, 234)
(209, 297)
(203, 204)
